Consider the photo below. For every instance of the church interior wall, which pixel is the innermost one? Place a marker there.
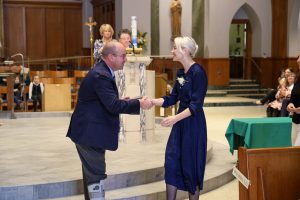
(217, 28)
(293, 28)
(218, 17)
(165, 24)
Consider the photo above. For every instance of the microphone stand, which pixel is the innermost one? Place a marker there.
(23, 78)
(132, 47)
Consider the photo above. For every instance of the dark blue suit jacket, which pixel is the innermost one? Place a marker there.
(95, 121)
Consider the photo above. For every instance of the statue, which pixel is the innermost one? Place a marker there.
(176, 10)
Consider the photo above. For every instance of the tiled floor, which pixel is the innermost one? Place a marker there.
(35, 150)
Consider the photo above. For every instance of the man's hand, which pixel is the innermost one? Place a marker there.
(126, 98)
(145, 103)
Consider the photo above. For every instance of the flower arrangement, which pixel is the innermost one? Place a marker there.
(181, 81)
(141, 40)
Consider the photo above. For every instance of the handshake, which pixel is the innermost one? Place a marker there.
(146, 103)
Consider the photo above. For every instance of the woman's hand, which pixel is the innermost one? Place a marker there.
(169, 121)
(291, 107)
(157, 102)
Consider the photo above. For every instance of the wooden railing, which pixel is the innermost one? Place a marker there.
(68, 63)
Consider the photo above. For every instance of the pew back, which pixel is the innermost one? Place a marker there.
(274, 173)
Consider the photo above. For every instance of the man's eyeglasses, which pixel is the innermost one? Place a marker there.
(122, 55)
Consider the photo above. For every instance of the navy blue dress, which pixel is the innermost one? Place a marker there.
(185, 156)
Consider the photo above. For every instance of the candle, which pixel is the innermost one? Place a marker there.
(134, 31)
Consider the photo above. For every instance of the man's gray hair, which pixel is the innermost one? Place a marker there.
(109, 48)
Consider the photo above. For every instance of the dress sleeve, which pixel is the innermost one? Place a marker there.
(171, 99)
(199, 88)
(110, 100)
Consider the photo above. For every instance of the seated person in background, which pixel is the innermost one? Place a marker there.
(286, 100)
(125, 38)
(17, 92)
(25, 78)
(3, 81)
(274, 107)
(35, 92)
(270, 96)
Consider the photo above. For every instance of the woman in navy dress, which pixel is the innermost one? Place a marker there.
(185, 156)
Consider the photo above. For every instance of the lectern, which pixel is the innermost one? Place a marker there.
(56, 97)
(273, 173)
(8, 72)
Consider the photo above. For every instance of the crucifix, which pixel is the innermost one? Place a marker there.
(90, 24)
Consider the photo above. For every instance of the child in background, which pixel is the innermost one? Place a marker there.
(17, 93)
(35, 92)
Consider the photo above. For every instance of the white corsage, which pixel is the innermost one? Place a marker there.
(181, 80)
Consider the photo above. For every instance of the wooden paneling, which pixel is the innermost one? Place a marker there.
(43, 29)
(14, 27)
(292, 62)
(55, 32)
(35, 35)
(165, 65)
(279, 28)
(217, 70)
(265, 76)
(73, 32)
(104, 13)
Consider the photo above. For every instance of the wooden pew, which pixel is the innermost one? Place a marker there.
(8, 90)
(274, 173)
(14, 69)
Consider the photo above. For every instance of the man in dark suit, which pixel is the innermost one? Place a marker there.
(94, 125)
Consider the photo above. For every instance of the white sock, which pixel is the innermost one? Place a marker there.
(96, 191)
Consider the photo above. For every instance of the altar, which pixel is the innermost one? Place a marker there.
(135, 81)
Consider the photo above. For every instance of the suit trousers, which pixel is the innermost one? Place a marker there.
(93, 163)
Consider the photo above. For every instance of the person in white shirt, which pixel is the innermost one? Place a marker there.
(36, 90)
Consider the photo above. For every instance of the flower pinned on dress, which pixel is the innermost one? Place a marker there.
(181, 81)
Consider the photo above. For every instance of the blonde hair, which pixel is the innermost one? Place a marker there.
(186, 42)
(106, 27)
